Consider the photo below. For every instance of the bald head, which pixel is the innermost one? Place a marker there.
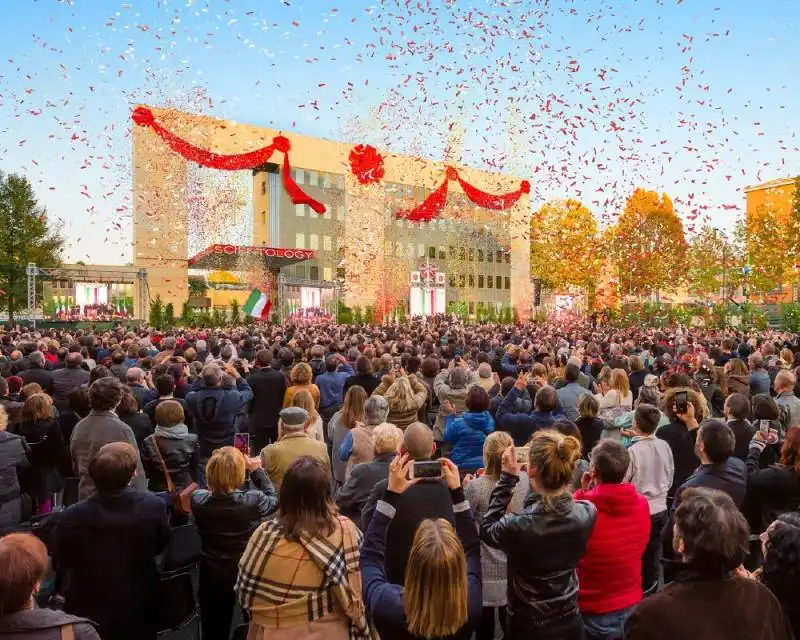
(134, 375)
(418, 441)
(74, 360)
(784, 381)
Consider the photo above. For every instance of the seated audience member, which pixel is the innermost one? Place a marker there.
(13, 462)
(428, 498)
(441, 593)
(356, 445)
(226, 515)
(493, 561)
(352, 495)
(737, 412)
(610, 572)
(100, 427)
(46, 450)
(650, 471)
(543, 586)
(589, 425)
(299, 576)
(774, 489)
(170, 446)
(25, 564)
(105, 547)
(467, 432)
(522, 426)
(709, 600)
(293, 442)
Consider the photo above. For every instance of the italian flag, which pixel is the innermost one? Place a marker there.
(258, 304)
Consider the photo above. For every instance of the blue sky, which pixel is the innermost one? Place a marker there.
(588, 98)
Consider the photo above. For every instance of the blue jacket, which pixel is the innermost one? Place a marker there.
(331, 386)
(520, 426)
(467, 433)
(214, 412)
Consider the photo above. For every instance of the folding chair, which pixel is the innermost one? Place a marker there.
(177, 603)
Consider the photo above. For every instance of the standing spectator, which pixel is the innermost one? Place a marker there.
(680, 434)
(36, 372)
(331, 386)
(100, 427)
(140, 423)
(709, 600)
(269, 387)
(13, 461)
(139, 389)
(25, 564)
(288, 558)
(213, 409)
(356, 446)
(523, 403)
(405, 394)
(46, 450)
(493, 561)
(543, 586)
(615, 395)
(341, 424)
(165, 390)
(787, 401)
(179, 372)
(589, 425)
(353, 494)
(226, 516)
(736, 412)
(707, 382)
(443, 567)
(522, 426)
(467, 433)
(651, 471)
(637, 375)
(117, 366)
(428, 498)
(170, 445)
(66, 379)
(570, 395)
(760, 381)
(305, 401)
(779, 573)
(301, 381)
(451, 385)
(13, 407)
(610, 572)
(363, 377)
(106, 547)
(737, 378)
(293, 442)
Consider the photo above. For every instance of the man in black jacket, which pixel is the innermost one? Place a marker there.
(269, 387)
(36, 372)
(106, 545)
(680, 435)
(66, 379)
(363, 377)
(737, 412)
(426, 499)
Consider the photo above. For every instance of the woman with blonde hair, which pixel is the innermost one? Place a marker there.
(304, 400)
(441, 597)
(543, 602)
(351, 414)
(493, 561)
(226, 516)
(786, 358)
(300, 376)
(405, 394)
(46, 449)
(616, 397)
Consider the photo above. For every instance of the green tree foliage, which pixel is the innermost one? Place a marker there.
(766, 242)
(236, 316)
(25, 236)
(156, 315)
(186, 314)
(169, 315)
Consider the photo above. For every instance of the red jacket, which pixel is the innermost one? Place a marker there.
(610, 572)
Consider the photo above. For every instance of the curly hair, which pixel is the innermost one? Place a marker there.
(781, 569)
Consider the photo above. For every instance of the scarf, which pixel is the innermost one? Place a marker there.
(175, 432)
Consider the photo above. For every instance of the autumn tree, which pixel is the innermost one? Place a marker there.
(714, 261)
(647, 245)
(25, 236)
(564, 245)
(767, 250)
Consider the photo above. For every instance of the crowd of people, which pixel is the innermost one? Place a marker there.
(427, 479)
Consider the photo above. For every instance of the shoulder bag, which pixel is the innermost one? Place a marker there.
(181, 500)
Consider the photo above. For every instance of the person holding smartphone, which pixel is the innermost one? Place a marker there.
(685, 409)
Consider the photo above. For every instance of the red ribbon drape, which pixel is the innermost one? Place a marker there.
(143, 117)
(435, 203)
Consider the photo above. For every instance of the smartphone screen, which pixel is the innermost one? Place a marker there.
(682, 401)
(242, 442)
(523, 453)
(426, 469)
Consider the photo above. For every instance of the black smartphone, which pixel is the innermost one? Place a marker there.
(681, 401)
(426, 469)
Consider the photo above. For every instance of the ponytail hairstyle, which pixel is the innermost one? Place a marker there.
(493, 447)
(552, 458)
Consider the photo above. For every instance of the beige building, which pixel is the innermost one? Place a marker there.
(357, 248)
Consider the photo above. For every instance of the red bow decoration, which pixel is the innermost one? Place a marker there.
(143, 117)
(433, 205)
(366, 164)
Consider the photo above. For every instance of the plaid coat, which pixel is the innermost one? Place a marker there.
(285, 584)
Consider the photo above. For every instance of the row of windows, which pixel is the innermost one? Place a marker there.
(328, 243)
(312, 272)
(318, 178)
(491, 282)
(463, 254)
(303, 210)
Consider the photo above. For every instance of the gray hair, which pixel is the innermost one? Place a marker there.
(648, 395)
(134, 374)
(376, 408)
(212, 374)
(575, 360)
(37, 358)
(458, 378)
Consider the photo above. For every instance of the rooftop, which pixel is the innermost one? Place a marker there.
(772, 184)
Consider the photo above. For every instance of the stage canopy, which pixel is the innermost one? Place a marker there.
(229, 257)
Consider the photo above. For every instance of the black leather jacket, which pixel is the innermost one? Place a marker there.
(181, 455)
(543, 546)
(226, 522)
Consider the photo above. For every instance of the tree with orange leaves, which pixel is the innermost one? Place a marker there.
(647, 245)
(564, 245)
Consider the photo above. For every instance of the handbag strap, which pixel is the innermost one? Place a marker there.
(167, 475)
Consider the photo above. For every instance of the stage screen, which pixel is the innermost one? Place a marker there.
(90, 293)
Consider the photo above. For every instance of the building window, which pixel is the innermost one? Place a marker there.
(498, 282)
(326, 243)
(462, 281)
(299, 176)
(508, 282)
(300, 271)
(326, 179)
(480, 255)
(421, 250)
(263, 187)
(398, 249)
(471, 281)
(489, 282)
(498, 256)
(300, 210)
(340, 273)
(462, 254)
(452, 281)
(314, 275)
(340, 212)
(327, 274)
(312, 178)
(489, 256)
(442, 253)
(451, 252)
(299, 240)
(340, 182)
(313, 241)
(508, 258)
(471, 254)
(432, 252)
(480, 281)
